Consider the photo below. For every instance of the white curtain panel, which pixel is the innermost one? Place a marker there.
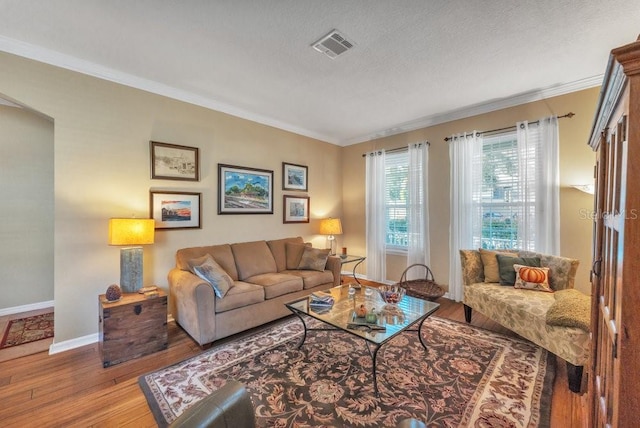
(418, 209)
(548, 188)
(539, 168)
(465, 155)
(375, 206)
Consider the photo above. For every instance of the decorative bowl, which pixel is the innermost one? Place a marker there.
(391, 294)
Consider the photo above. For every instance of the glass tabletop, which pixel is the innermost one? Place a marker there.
(393, 318)
(349, 258)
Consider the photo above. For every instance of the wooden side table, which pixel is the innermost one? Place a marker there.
(132, 327)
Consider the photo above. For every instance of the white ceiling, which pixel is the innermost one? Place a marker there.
(415, 63)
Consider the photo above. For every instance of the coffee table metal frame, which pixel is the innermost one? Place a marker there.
(408, 313)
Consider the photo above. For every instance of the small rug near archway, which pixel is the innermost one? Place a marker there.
(467, 377)
(28, 329)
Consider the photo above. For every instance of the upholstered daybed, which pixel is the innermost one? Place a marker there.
(248, 284)
(524, 311)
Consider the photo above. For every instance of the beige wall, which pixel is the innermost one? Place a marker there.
(26, 218)
(576, 167)
(101, 153)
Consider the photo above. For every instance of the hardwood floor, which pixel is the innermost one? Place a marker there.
(72, 389)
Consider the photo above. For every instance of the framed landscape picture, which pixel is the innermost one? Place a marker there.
(243, 190)
(172, 162)
(175, 210)
(294, 177)
(296, 209)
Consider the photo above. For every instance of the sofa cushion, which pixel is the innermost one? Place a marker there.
(490, 263)
(277, 284)
(221, 254)
(242, 294)
(206, 268)
(532, 278)
(278, 248)
(294, 254)
(314, 259)
(253, 258)
(312, 278)
(562, 270)
(507, 272)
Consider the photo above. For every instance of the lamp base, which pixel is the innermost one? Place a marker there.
(131, 269)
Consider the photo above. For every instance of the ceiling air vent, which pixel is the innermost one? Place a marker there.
(333, 44)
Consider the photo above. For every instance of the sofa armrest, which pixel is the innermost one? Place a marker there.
(334, 265)
(193, 304)
(472, 267)
(229, 406)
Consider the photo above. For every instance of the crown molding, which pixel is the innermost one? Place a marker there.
(477, 109)
(68, 62)
(48, 56)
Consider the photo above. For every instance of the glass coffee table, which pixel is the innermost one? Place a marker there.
(391, 319)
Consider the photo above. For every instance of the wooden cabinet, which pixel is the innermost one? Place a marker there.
(614, 379)
(132, 327)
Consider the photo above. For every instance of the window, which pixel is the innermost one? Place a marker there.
(396, 173)
(503, 202)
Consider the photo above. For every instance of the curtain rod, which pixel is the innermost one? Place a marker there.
(478, 133)
(397, 149)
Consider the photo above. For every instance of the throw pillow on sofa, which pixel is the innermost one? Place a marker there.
(207, 269)
(507, 272)
(532, 278)
(314, 259)
(490, 263)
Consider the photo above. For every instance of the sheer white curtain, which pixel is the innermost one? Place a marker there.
(539, 169)
(418, 209)
(376, 225)
(465, 155)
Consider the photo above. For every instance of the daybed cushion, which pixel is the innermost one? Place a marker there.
(253, 258)
(279, 250)
(242, 294)
(525, 312)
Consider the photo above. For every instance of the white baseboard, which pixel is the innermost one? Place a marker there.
(26, 308)
(67, 345)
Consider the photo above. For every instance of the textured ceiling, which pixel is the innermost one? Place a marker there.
(415, 63)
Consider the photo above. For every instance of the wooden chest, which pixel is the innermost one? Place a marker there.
(132, 327)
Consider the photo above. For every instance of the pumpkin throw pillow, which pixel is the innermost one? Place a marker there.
(532, 278)
(207, 269)
(507, 272)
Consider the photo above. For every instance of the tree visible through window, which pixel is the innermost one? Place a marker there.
(396, 171)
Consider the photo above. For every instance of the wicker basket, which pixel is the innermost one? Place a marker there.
(421, 288)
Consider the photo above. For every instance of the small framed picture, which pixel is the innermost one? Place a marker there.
(294, 177)
(243, 190)
(296, 209)
(172, 162)
(175, 210)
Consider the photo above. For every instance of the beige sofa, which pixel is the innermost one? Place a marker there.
(525, 311)
(265, 276)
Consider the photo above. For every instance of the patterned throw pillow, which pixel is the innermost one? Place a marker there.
(313, 259)
(532, 278)
(210, 271)
(507, 272)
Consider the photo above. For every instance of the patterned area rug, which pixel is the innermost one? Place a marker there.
(28, 329)
(467, 377)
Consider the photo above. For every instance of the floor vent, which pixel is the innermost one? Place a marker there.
(333, 44)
